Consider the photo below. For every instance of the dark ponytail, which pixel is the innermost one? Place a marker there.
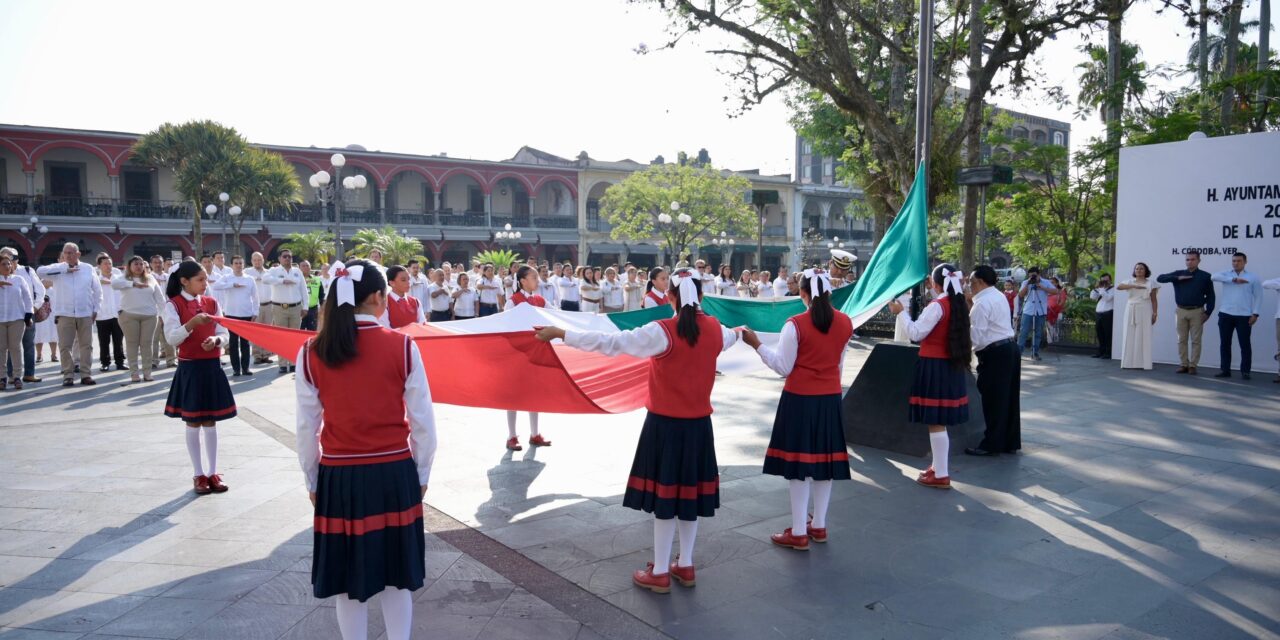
(521, 274)
(687, 317)
(653, 273)
(820, 309)
(336, 341)
(185, 270)
(959, 344)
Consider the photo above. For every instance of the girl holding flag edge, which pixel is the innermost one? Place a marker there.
(526, 292)
(807, 446)
(366, 440)
(674, 475)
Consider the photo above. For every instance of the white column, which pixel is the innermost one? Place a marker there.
(488, 210)
(115, 194)
(31, 191)
(439, 200)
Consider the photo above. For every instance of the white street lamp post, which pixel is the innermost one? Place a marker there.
(507, 237)
(333, 189)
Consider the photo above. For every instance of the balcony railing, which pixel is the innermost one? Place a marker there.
(845, 234)
(95, 207)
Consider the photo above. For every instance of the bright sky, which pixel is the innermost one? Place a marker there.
(475, 79)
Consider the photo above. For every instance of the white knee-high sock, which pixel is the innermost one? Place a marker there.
(799, 506)
(688, 535)
(511, 424)
(941, 445)
(397, 612)
(664, 535)
(821, 499)
(353, 618)
(193, 449)
(533, 423)
(211, 447)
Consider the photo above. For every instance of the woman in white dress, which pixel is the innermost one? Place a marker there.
(589, 289)
(1140, 315)
(725, 285)
(47, 329)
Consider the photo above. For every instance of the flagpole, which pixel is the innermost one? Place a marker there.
(924, 86)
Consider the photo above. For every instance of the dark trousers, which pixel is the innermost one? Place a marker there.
(488, 309)
(440, 316)
(999, 382)
(110, 335)
(239, 350)
(309, 320)
(569, 305)
(1104, 324)
(28, 354)
(1240, 325)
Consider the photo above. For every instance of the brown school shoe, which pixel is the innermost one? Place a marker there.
(202, 485)
(216, 484)
(1192, 371)
(87, 381)
(31, 379)
(17, 384)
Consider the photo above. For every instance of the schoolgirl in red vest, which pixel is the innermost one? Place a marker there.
(526, 292)
(674, 475)
(939, 395)
(655, 291)
(366, 440)
(402, 308)
(199, 394)
(807, 446)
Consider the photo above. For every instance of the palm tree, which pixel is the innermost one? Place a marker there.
(261, 180)
(496, 257)
(314, 246)
(1094, 77)
(1216, 47)
(395, 248)
(202, 156)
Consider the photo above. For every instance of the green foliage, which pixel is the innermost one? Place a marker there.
(316, 247)
(395, 248)
(1054, 217)
(1095, 91)
(499, 258)
(263, 180)
(714, 201)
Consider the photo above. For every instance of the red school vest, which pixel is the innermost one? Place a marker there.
(190, 348)
(657, 300)
(817, 368)
(402, 312)
(680, 380)
(535, 300)
(934, 345)
(363, 399)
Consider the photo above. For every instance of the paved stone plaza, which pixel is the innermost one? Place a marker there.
(1143, 506)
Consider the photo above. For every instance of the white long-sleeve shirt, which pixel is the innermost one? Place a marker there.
(241, 301)
(549, 292)
(464, 306)
(15, 298)
(1106, 299)
(418, 410)
(79, 292)
(645, 342)
(989, 319)
(146, 301)
(1274, 285)
(175, 333)
(287, 287)
(920, 328)
(418, 289)
(436, 302)
(612, 294)
(764, 289)
(635, 294)
(489, 294)
(781, 357)
(568, 289)
(264, 289)
(33, 281)
(780, 287)
(110, 307)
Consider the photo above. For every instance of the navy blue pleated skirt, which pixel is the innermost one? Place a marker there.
(674, 474)
(200, 392)
(368, 530)
(808, 439)
(939, 395)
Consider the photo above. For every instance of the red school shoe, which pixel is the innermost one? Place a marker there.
(785, 539)
(646, 580)
(928, 479)
(539, 441)
(816, 535)
(514, 444)
(216, 484)
(202, 485)
(683, 575)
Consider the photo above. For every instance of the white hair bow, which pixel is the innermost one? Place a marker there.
(953, 281)
(683, 279)
(817, 278)
(345, 279)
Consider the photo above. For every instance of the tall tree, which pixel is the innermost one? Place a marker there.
(709, 201)
(1263, 99)
(314, 246)
(858, 55)
(1229, 71)
(202, 156)
(261, 179)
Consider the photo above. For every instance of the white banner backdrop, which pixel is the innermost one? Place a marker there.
(1217, 195)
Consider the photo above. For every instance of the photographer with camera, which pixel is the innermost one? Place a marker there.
(1105, 295)
(1034, 294)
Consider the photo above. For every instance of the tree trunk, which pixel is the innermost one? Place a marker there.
(973, 111)
(1202, 71)
(1229, 64)
(197, 238)
(1264, 55)
(1114, 111)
